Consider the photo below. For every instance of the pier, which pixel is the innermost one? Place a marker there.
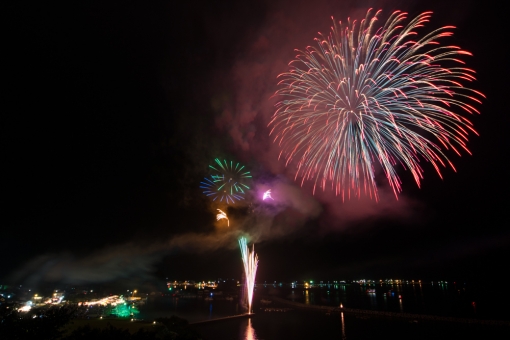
(365, 312)
(238, 316)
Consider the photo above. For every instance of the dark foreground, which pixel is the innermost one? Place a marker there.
(300, 324)
(59, 326)
(276, 322)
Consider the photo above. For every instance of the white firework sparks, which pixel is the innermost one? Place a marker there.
(267, 194)
(250, 261)
(222, 215)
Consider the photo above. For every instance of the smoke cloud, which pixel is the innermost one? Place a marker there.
(253, 81)
(263, 222)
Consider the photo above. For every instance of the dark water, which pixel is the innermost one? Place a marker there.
(440, 300)
(191, 309)
(488, 301)
(298, 325)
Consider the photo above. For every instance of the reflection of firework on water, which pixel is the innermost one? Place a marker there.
(267, 194)
(369, 95)
(228, 181)
(222, 215)
(250, 332)
(250, 261)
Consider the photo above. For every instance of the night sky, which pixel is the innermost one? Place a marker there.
(112, 113)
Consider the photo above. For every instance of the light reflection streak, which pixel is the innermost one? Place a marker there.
(250, 332)
(343, 325)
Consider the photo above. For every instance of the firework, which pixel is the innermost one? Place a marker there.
(227, 183)
(222, 215)
(267, 194)
(370, 96)
(250, 261)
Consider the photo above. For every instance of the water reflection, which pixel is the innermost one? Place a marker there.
(250, 332)
(373, 300)
(343, 326)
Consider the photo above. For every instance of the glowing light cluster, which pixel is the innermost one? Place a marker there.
(227, 182)
(26, 308)
(124, 310)
(250, 261)
(373, 96)
(109, 300)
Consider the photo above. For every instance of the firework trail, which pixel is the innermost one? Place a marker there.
(267, 194)
(227, 181)
(222, 215)
(369, 95)
(250, 261)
